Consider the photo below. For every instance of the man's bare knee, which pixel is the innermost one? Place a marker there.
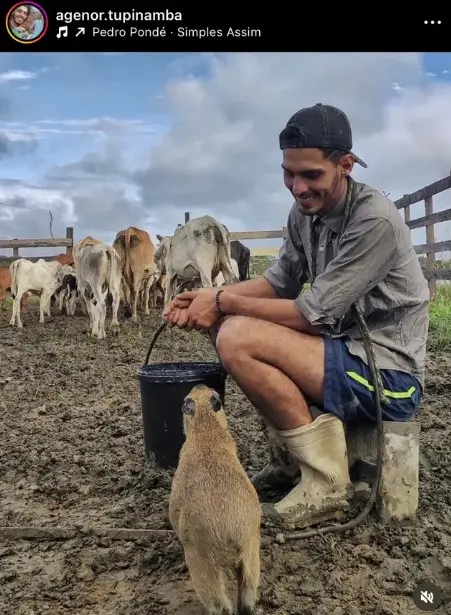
(233, 333)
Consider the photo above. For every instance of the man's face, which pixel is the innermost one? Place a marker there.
(20, 14)
(317, 184)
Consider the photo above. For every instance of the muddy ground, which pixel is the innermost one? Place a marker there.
(71, 452)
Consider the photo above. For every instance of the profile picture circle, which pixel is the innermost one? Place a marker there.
(26, 22)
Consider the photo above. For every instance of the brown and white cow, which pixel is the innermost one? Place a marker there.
(136, 251)
(197, 252)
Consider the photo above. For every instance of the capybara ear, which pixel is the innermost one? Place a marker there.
(189, 406)
(215, 402)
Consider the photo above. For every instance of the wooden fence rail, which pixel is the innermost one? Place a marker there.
(16, 244)
(431, 248)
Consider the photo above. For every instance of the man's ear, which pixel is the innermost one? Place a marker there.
(346, 165)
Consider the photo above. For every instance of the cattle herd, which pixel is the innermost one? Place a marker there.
(132, 271)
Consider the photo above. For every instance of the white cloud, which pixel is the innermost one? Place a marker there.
(221, 155)
(16, 75)
(105, 126)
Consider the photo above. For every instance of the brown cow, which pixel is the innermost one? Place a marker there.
(65, 259)
(5, 285)
(136, 252)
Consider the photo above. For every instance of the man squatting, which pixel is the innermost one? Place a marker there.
(298, 356)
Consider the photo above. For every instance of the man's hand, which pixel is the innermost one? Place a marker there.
(193, 309)
(178, 303)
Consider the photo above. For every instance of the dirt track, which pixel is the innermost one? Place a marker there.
(71, 451)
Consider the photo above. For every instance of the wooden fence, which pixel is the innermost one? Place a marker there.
(16, 244)
(431, 247)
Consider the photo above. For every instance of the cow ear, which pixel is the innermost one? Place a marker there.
(189, 406)
(215, 402)
(159, 237)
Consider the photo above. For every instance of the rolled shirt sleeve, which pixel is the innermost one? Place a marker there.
(367, 251)
(290, 272)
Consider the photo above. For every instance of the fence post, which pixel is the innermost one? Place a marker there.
(70, 235)
(186, 216)
(15, 250)
(430, 239)
(407, 215)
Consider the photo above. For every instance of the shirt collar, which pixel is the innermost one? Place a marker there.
(333, 218)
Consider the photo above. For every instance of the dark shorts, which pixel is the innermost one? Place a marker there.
(348, 392)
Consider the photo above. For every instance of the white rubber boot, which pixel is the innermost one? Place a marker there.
(321, 494)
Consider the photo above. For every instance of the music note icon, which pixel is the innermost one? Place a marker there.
(63, 31)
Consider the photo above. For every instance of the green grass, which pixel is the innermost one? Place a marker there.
(440, 319)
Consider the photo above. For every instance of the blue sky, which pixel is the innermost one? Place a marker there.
(438, 65)
(157, 134)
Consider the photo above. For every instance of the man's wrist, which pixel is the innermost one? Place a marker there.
(224, 302)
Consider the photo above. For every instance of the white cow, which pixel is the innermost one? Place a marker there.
(219, 280)
(197, 252)
(98, 272)
(42, 277)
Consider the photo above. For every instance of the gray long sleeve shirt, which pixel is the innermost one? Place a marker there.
(375, 265)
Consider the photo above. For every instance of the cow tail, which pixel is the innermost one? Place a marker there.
(222, 237)
(113, 264)
(128, 267)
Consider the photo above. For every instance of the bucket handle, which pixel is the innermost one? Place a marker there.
(160, 330)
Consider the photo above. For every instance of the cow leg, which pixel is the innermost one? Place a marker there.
(94, 312)
(116, 294)
(67, 295)
(83, 305)
(15, 316)
(137, 281)
(70, 306)
(84, 301)
(149, 283)
(61, 299)
(47, 305)
(44, 304)
(101, 311)
(170, 280)
(125, 292)
(153, 290)
(226, 269)
(90, 308)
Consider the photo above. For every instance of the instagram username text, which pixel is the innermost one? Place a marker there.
(120, 16)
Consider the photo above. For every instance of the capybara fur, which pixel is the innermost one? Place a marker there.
(215, 511)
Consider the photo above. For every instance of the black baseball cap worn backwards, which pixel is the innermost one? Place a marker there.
(320, 126)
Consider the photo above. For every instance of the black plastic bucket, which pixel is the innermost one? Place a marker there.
(163, 387)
